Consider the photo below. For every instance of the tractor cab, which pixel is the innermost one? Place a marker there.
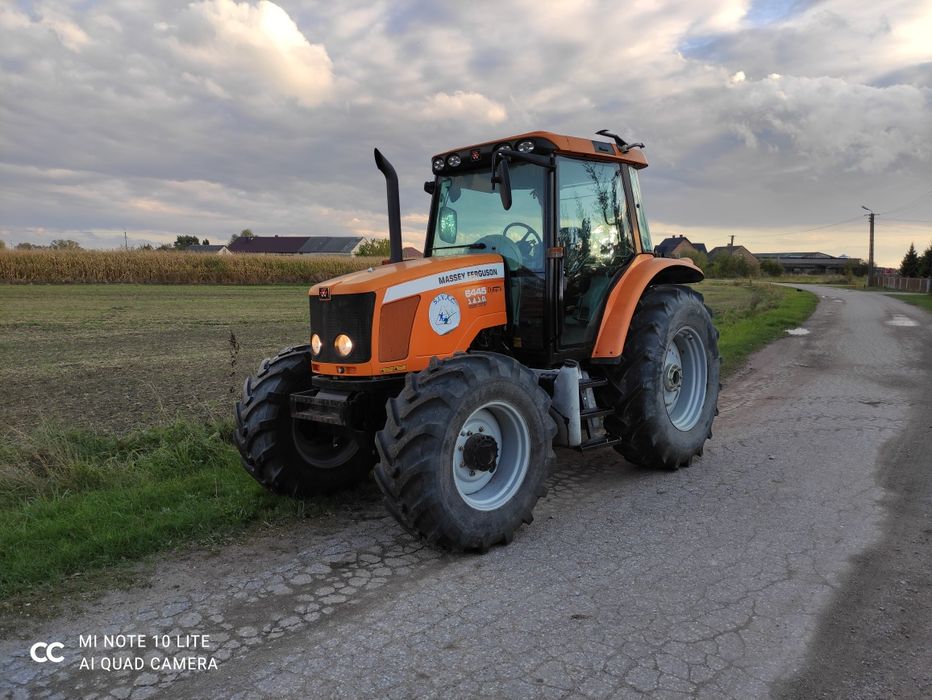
(564, 213)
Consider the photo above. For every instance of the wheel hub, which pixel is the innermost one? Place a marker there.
(673, 379)
(480, 453)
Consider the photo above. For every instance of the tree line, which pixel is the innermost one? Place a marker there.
(916, 265)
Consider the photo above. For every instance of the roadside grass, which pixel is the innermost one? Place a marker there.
(748, 316)
(923, 301)
(72, 501)
(80, 499)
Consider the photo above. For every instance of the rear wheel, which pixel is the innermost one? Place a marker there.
(466, 450)
(295, 457)
(666, 388)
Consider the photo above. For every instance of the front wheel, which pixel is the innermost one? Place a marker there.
(665, 390)
(466, 450)
(295, 457)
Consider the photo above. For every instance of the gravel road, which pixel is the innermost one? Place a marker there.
(792, 560)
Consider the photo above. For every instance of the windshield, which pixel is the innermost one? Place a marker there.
(471, 214)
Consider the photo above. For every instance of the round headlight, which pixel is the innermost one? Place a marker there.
(501, 146)
(438, 163)
(526, 146)
(454, 160)
(343, 344)
(315, 344)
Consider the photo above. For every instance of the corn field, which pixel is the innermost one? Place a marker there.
(169, 267)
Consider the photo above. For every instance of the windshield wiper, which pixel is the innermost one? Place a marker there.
(471, 246)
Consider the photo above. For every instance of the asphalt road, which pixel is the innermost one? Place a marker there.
(792, 560)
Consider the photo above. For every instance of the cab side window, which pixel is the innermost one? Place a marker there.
(595, 233)
(646, 245)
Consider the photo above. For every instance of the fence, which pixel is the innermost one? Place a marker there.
(906, 284)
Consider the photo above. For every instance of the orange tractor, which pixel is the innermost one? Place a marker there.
(539, 317)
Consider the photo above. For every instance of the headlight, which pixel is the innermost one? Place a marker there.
(526, 146)
(343, 344)
(438, 163)
(315, 344)
(454, 160)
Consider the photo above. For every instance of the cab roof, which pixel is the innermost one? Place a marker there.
(546, 142)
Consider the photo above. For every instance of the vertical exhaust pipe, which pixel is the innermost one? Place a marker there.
(394, 206)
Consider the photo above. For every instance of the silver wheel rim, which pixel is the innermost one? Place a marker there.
(490, 490)
(685, 374)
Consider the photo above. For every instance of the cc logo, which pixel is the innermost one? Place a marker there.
(45, 651)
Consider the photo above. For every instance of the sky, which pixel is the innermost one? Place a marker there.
(773, 121)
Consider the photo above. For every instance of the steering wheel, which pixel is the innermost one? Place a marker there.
(530, 233)
(504, 246)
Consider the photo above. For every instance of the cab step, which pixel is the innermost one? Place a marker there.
(595, 443)
(590, 413)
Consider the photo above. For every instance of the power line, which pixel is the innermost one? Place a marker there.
(907, 205)
(837, 223)
(910, 221)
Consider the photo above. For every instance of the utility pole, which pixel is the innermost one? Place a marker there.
(732, 244)
(870, 248)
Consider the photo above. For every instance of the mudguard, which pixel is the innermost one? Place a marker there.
(644, 271)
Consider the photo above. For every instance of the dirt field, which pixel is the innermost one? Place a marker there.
(119, 357)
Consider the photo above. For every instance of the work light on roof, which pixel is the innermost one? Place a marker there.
(526, 146)
(438, 163)
(453, 160)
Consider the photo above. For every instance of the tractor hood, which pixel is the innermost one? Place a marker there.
(414, 276)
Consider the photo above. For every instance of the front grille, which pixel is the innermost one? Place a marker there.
(350, 314)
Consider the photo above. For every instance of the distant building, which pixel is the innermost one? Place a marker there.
(297, 245)
(737, 250)
(409, 252)
(809, 262)
(208, 249)
(677, 246)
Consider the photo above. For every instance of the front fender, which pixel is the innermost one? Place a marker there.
(643, 272)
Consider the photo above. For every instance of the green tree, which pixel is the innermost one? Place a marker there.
(64, 244)
(771, 267)
(910, 265)
(2, 245)
(245, 233)
(182, 241)
(698, 257)
(925, 262)
(205, 242)
(374, 248)
(28, 246)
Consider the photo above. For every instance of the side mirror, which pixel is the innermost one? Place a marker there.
(447, 229)
(501, 177)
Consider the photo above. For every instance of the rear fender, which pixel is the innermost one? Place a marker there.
(644, 271)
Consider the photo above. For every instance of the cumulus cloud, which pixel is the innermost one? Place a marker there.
(252, 52)
(464, 106)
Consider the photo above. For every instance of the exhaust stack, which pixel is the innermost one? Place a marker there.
(394, 206)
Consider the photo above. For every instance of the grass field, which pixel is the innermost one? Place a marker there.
(115, 430)
(923, 301)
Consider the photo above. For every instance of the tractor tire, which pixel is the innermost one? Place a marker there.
(665, 391)
(294, 457)
(466, 451)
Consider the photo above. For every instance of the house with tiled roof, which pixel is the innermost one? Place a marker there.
(677, 247)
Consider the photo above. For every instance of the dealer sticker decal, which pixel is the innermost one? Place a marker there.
(444, 314)
(476, 296)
